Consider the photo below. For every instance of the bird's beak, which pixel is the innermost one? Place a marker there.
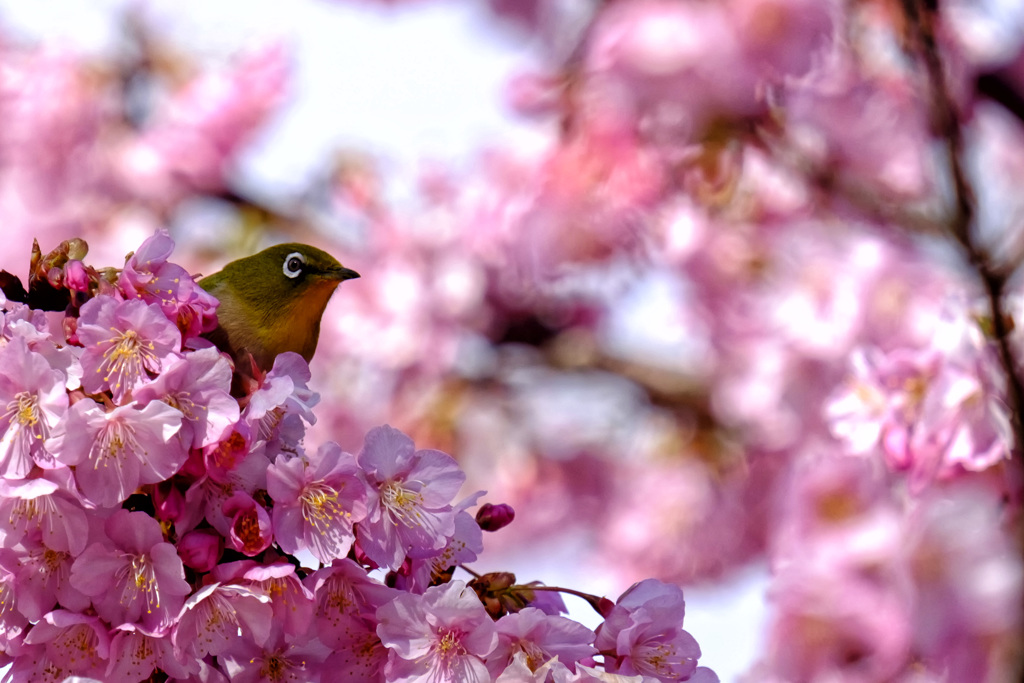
(342, 274)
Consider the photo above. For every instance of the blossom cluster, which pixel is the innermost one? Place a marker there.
(152, 524)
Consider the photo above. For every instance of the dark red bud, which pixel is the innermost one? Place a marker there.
(493, 517)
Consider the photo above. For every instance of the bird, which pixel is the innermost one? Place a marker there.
(272, 302)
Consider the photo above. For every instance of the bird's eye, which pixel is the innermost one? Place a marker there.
(293, 264)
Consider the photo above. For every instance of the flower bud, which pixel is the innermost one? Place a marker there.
(492, 590)
(493, 517)
(200, 549)
(76, 276)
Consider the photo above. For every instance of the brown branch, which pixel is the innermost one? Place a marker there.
(946, 121)
(921, 18)
(944, 118)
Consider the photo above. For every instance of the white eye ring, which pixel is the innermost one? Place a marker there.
(293, 263)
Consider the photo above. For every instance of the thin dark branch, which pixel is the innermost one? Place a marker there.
(922, 16)
(945, 119)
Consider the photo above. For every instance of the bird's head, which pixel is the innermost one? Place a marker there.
(287, 272)
(272, 301)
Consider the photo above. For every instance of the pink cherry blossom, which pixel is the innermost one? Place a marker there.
(198, 384)
(660, 52)
(33, 401)
(213, 616)
(836, 121)
(47, 505)
(12, 620)
(540, 638)
(782, 37)
(967, 579)
(443, 635)
(425, 567)
(586, 674)
(643, 634)
(43, 580)
(519, 670)
(409, 505)
(835, 624)
(136, 652)
(346, 603)
(317, 501)
(121, 449)
(190, 140)
(126, 344)
(134, 576)
(292, 602)
(207, 495)
(279, 657)
(147, 275)
(36, 334)
(76, 644)
(933, 411)
(200, 549)
(251, 531)
(358, 657)
(279, 406)
(226, 456)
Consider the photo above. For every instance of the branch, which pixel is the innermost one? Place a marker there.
(945, 119)
(922, 16)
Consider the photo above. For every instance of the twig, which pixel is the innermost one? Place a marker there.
(921, 23)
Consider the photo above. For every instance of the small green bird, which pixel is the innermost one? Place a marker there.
(272, 302)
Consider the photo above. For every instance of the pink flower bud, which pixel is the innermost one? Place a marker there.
(76, 276)
(200, 549)
(493, 517)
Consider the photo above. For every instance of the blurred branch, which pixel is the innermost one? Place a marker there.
(922, 17)
(862, 196)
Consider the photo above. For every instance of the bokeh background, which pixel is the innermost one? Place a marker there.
(631, 339)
